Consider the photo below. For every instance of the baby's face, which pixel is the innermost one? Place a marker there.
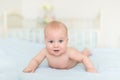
(56, 41)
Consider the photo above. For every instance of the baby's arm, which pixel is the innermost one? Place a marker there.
(88, 64)
(86, 52)
(32, 66)
(34, 63)
(79, 57)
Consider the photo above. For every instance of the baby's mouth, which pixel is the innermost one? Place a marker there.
(56, 50)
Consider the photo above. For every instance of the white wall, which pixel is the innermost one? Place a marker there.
(77, 8)
(63, 8)
(10, 5)
(110, 24)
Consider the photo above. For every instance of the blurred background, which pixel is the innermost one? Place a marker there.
(95, 22)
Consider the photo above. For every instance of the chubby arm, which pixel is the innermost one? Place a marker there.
(34, 63)
(79, 57)
(88, 64)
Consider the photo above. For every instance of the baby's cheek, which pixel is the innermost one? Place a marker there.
(64, 49)
(48, 45)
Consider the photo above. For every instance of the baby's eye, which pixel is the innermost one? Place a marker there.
(60, 41)
(51, 41)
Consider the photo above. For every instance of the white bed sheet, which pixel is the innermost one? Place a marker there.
(15, 55)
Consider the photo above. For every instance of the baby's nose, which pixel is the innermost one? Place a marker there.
(56, 45)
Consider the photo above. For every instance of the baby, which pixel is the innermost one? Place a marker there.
(57, 53)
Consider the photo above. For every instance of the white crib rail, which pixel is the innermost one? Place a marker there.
(34, 35)
(77, 38)
(83, 39)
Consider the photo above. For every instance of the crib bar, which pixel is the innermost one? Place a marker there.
(81, 39)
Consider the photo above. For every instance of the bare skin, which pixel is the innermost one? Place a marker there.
(58, 54)
(66, 61)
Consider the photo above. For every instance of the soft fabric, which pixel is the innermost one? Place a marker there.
(15, 56)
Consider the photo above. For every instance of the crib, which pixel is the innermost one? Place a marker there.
(78, 36)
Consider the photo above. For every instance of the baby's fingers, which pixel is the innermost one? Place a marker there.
(27, 70)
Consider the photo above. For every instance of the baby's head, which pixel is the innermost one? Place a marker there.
(56, 37)
(55, 26)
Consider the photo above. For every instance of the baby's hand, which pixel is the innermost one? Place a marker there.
(86, 52)
(28, 70)
(92, 70)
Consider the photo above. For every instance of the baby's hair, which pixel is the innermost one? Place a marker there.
(55, 25)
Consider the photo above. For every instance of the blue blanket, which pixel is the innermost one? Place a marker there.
(15, 56)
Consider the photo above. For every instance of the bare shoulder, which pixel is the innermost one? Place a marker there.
(42, 52)
(72, 49)
(75, 54)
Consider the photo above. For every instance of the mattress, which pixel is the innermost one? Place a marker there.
(15, 55)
